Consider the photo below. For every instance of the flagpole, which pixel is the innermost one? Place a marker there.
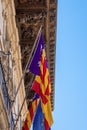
(25, 68)
(19, 112)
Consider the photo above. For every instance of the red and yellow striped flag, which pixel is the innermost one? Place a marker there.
(39, 67)
(30, 115)
(41, 84)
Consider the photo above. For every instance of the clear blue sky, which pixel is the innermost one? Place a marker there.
(71, 66)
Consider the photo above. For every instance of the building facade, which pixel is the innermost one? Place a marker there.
(30, 15)
(20, 21)
(10, 68)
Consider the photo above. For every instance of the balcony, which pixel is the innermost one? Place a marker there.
(6, 121)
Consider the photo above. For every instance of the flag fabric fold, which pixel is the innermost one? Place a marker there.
(46, 125)
(25, 126)
(38, 123)
(46, 108)
(30, 114)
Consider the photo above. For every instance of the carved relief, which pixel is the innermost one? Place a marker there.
(32, 18)
(27, 32)
(32, 2)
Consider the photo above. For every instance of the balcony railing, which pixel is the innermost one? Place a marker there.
(6, 96)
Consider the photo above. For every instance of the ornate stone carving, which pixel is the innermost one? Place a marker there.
(32, 2)
(32, 18)
(27, 32)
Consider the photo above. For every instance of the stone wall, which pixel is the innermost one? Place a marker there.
(10, 55)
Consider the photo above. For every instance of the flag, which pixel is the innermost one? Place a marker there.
(46, 125)
(25, 126)
(39, 67)
(46, 108)
(30, 114)
(41, 84)
(38, 123)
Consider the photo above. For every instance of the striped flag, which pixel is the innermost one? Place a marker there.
(39, 67)
(46, 125)
(41, 84)
(30, 115)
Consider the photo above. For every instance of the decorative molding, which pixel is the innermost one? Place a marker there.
(29, 18)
